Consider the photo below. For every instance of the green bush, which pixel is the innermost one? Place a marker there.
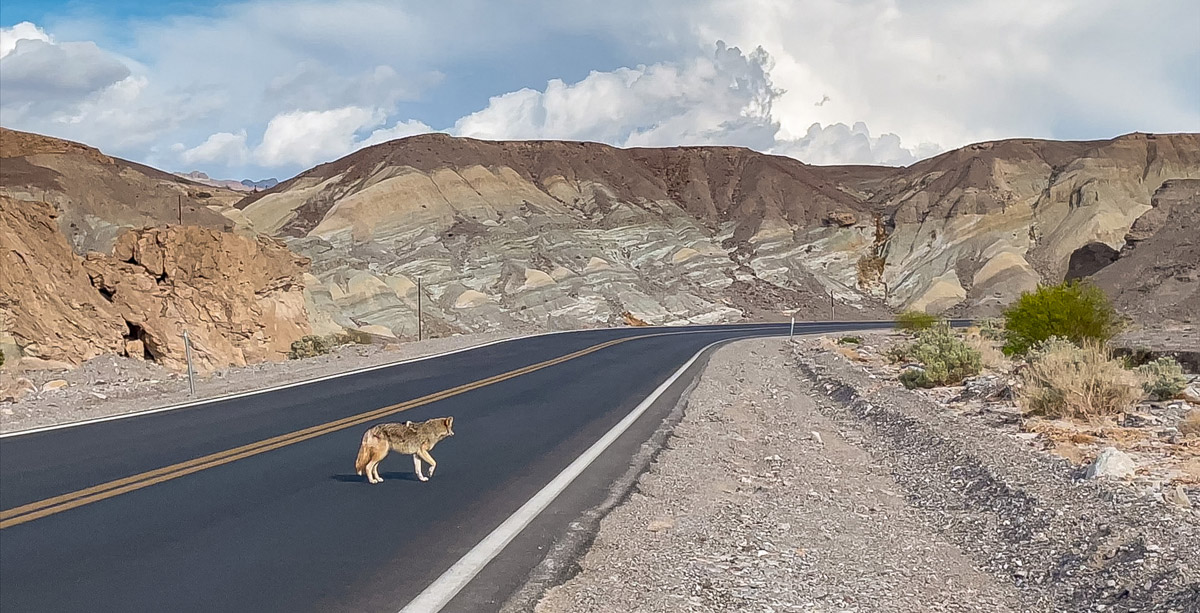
(945, 358)
(915, 321)
(309, 346)
(1164, 378)
(1078, 312)
(850, 340)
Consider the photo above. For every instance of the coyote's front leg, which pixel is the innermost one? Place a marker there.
(424, 453)
(417, 468)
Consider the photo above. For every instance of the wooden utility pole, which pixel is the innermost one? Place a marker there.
(831, 315)
(180, 196)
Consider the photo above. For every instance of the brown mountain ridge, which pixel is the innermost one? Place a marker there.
(530, 235)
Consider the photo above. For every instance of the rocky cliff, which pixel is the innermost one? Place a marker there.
(239, 297)
(1156, 275)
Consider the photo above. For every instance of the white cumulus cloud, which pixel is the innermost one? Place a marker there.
(310, 137)
(222, 148)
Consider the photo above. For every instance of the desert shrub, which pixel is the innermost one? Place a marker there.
(1190, 424)
(309, 346)
(1, 358)
(350, 336)
(1066, 380)
(850, 340)
(991, 328)
(1079, 312)
(897, 353)
(945, 359)
(993, 358)
(1164, 378)
(915, 321)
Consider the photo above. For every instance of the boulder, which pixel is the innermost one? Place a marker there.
(55, 384)
(1111, 463)
(14, 389)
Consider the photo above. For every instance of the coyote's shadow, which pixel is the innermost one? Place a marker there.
(352, 478)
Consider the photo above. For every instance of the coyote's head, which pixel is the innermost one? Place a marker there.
(445, 426)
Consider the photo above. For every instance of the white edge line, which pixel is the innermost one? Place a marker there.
(447, 586)
(215, 399)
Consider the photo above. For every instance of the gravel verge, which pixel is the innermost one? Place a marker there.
(112, 385)
(760, 502)
(1067, 544)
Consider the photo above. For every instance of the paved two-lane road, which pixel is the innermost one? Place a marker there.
(252, 504)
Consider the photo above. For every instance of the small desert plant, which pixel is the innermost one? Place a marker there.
(850, 340)
(309, 346)
(1079, 312)
(1190, 424)
(1, 358)
(1066, 380)
(915, 321)
(993, 358)
(992, 328)
(945, 358)
(1164, 378)
(350, 336)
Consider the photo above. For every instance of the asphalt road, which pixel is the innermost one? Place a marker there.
(252, 504)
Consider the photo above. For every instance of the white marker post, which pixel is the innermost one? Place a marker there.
(792, 330)
(187, 351)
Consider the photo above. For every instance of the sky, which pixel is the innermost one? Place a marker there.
(269, 88)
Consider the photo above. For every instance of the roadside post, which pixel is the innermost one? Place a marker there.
(187, 351)
(420, 330)
(792, 329)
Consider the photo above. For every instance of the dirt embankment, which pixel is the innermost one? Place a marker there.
(800, 481)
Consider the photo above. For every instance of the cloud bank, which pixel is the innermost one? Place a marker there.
(272, 87)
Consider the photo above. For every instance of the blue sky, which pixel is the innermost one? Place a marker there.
(270, 87)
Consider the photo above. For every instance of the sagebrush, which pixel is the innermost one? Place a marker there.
(850, 340)
(945, 359)
(309, 346)
(915, 321)
(1082, 382)
(1074, 310)
(1164, 378)
(314, 345)
(1190, 424)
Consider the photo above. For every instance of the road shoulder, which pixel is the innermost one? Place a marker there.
(760, 502)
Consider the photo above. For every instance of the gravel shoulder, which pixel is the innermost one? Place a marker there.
(112, 385)
(801, 480)
(762, 503)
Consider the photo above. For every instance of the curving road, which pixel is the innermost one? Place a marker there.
(251, 503)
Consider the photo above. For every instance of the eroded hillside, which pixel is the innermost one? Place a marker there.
(567, 234)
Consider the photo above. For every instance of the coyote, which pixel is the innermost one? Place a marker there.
(407, 437)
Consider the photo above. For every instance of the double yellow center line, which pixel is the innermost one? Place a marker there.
(42, 508)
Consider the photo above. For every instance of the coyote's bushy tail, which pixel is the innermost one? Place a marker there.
(364, 452)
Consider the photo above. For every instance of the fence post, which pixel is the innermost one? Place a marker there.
(420, 323)
(187, 351)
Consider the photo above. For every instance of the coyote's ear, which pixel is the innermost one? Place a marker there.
(449, 421)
